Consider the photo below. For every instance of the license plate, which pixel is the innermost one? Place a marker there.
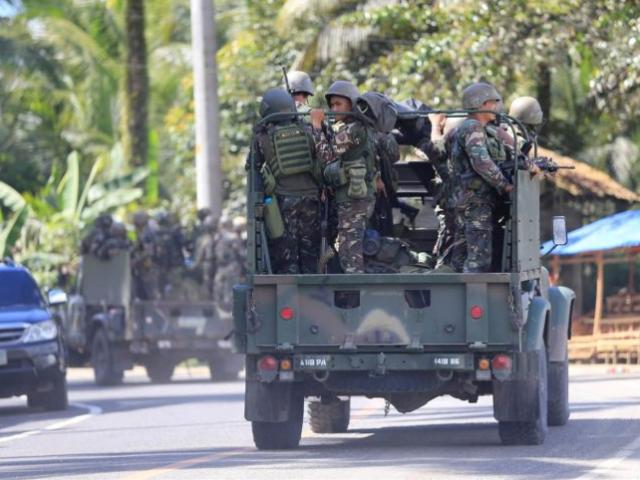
(3, 357)
(194, 323)
(449, 361)
(312, 362)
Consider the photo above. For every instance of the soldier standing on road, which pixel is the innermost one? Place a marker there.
(286, 156)
(476, 181)
(349, 171)
(228, 264)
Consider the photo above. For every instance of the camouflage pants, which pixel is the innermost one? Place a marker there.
(471, 252)
(446, 228)
(352, 222)
(298, 250)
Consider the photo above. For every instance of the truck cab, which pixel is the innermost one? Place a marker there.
(406, 337)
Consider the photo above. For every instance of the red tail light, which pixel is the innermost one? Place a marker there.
(501, 362)
(286, 313)
(476, 312)
(267, 364)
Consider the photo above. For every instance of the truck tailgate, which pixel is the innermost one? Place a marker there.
(407, 311)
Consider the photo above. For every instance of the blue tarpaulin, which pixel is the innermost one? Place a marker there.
(621, 230)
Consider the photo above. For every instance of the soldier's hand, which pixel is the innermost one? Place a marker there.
(508, 188)
(437, 123)
(534, 170)
(317, 117)
(380, 188)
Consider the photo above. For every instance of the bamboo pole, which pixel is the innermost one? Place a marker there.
(599, 294)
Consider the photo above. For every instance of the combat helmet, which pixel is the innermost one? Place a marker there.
(342, 88)
(140, 219)
(276, 100)
(527, 110)
(477, 93)
(104, 221)
(118, 230)
(299, 82)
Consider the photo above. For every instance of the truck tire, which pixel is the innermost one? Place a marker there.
(54, 399)
(532, 432)
(558, 405)
(281, 435)
(160, 370)
(102, 360)
(332, 417)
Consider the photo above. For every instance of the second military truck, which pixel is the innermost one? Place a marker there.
(107, 326)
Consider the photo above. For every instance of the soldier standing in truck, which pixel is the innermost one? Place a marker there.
(477, 181)
(349, 171)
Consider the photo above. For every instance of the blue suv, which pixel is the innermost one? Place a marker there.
(32, 359)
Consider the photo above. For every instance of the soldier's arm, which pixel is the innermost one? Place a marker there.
(322, 143)
(475, 145)
(348, 136)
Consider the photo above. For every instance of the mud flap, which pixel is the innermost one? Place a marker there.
(268, 402)
(561, 299)
(516, 399)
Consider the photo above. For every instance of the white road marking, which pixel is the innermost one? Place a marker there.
(92, 411)
(606, 469)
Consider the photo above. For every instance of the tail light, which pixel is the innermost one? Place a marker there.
(287, 313)
(476, 312)
(267, 364)
(501, 362)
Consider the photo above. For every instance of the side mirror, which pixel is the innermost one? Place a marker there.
(559, 231)
(56, 297)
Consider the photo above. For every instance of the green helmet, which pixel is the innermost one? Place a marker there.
(299, 82)
(477, 93)
(527, 110)
(276, 100)
(342, 88)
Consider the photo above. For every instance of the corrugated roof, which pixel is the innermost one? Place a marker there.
(621, 230)
(586, 180)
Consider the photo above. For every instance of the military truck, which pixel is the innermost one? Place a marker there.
(105, 324)
(406, 337)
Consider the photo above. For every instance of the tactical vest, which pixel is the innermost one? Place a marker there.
(352, 174)
(292, 150)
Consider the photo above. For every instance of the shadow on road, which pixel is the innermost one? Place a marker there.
(458, 449)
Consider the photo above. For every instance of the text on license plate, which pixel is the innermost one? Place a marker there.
(313, 362)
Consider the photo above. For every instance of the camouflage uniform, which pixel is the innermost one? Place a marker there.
(477, 180)
(229, 264)
(351, 153)
(145, 273)
(204, 258)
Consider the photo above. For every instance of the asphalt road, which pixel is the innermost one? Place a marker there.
(194, 429)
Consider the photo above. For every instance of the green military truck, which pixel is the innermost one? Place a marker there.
(105, 324)
(406, 337)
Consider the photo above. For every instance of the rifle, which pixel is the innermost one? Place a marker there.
(326, 253)
(545, 164)
(286, 80)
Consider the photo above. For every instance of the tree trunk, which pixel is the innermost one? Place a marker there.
(544, 93)
(137, 78)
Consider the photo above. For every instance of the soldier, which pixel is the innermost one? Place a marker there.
(476, 181)
(228, 263)
(116, 241)
(204, 259)
(349, 171)
(286, 155)
(301, 88)
(98, 234)
(528, 111)
(437, 148)
(145, 272)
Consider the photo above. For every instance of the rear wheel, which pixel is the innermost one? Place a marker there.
(160, 370)
(329, 417)
(558, 405)
(530, 432)
(281, 435)
(102, 360)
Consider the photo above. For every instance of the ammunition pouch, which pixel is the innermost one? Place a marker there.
(268, 179)
(334, 175)
(357, 176)
(273, 218)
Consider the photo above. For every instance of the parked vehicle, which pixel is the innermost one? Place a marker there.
(32, 355)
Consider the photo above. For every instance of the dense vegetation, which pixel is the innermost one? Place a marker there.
(70, 147)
